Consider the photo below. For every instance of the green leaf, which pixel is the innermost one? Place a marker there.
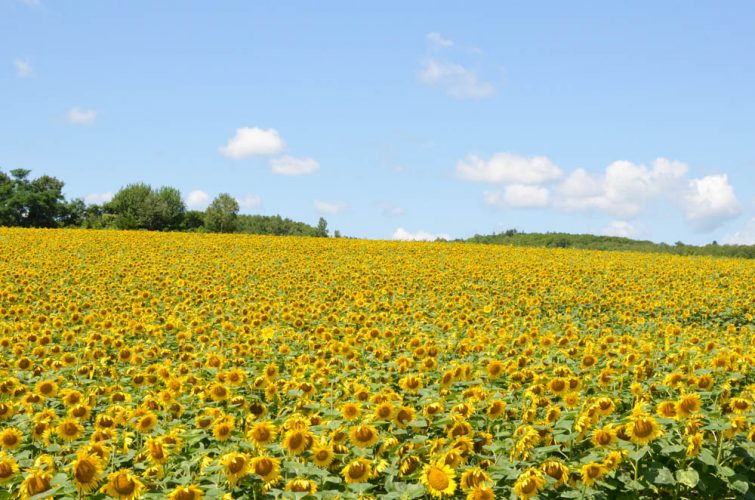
(45, 494)
(706, 457)
(638, 454)
(663, 476)
(725, 471)
(740, 486)
(688, 477)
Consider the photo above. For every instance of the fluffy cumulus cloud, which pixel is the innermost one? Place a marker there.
(98, 198)
(518, 196)
(249, 202)
(508, 168)
(744, 236)
(625, 189)
(709, 202)
(80, 116)
(458, 81)
(621, 228)
(404, 235)
(197, 200)
(438, 40)
(253, 141)
(329, 208)
(291, 166)
(23, 68)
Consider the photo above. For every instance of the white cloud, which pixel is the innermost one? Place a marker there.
(458, 81)
(508, 168)
(79, 116)
(288, 165)
(620, 228)
(98, 198)
(745, 236)
(404, 235)
(436, 39)
(253, 142)
(250, 201)
(624, 189)
(197, 200)
(23, 68)
(330, 208)
(518, 196)
(709, 202)
(391, 210)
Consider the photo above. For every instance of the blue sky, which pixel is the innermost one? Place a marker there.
(397, 119)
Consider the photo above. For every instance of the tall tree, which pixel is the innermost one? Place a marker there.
(222, 214)
(30, 203)
(130, 206)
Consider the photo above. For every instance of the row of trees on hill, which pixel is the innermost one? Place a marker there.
(512, 237)
(26, 202)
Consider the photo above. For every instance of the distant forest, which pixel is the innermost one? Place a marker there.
(512, 237)
(26, 202)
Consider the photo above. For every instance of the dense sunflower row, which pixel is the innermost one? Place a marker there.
(146, 365)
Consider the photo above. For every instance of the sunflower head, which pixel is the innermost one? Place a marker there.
(438, 478)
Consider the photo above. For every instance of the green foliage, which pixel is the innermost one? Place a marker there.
(31, 203)
(222, 214)
(512, 237)
(138, 206)
(277, 225)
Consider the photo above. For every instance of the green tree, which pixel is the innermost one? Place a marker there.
(222, 214)
(322, 227)
(131, 207)
(167, 208)
(30, 203)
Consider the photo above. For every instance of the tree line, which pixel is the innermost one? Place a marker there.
(512, 237)
(27, 202)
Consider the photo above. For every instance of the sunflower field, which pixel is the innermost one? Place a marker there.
(187, 366)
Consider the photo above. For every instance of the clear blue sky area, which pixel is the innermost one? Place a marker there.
(397, 119)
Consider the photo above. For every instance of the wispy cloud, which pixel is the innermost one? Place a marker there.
(458, 81)
(438, 40)
(253, 141)
(23, 68)
(291, 166)
(330, 208)
(80, 116)
(404, 235)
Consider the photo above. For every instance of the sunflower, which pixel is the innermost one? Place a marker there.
(358, 471)
(11, 438)
(557, 386)
(296, 441)
(263, 433)
(6, 410)
(36, 482)
(431, 410)
(351, 411)
(496, 409)
(384, 411)
(666, 409)
(740, 406)
(69, 429)
(604, 436)
(80, 412)
(156, 452)
(299, 485)
(404, 416)
(8, 467)
(481, 493)
(494, 368)
(529, 483)
(267, 468)
(688, 404)
(642, 429)
(438, 478)
(591, 472)
(363, 435)
(322, 455)
(694, 444)
(87, 472)
(46, 388)
(190, 492)
(556, 470)
(122, 485)
(223, 428)
(146, 423)
(473, 478)
(235, 465)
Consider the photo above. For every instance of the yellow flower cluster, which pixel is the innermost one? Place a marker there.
(191, 366)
